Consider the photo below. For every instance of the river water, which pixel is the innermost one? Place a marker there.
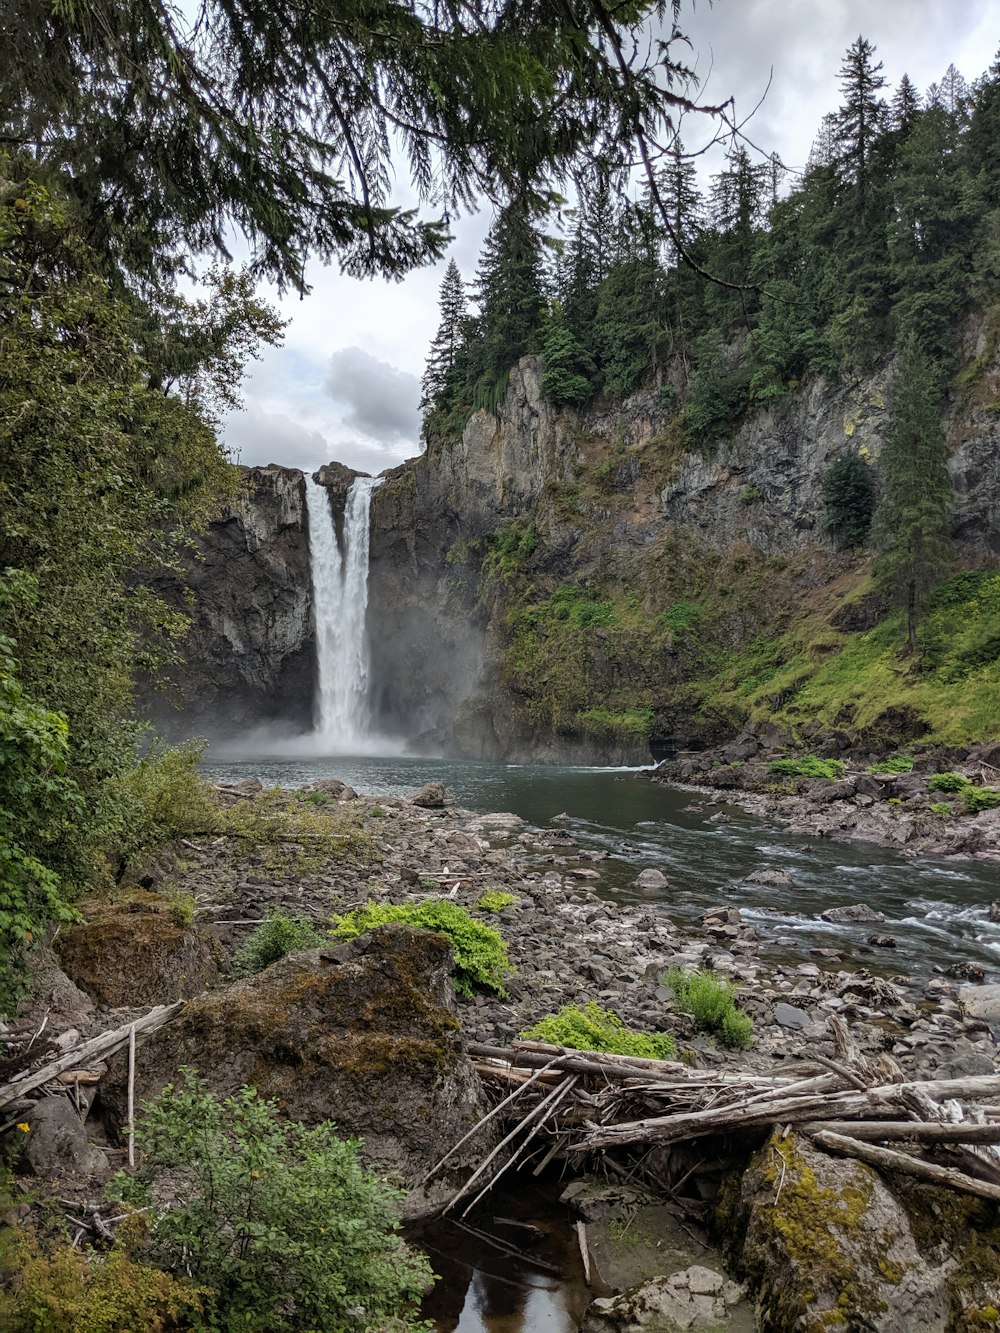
(936, 909)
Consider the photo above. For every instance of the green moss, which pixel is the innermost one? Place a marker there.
(807, 766)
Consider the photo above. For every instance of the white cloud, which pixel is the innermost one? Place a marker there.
(381, 402)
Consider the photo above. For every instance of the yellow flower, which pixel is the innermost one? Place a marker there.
(255, 1175)
(24, 1127)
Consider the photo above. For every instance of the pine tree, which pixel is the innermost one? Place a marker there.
(569, 377)
(905, 106)
(912, 523)
(510, 295)
(677, 183)
(861, 118)
(982, 142)
(438, 383)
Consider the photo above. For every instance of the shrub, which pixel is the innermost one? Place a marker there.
(592, 1028)
(495, 900)
(808, 766)
(277, 936)
(900, 763)
(480, 951)
(284, 1225)
(947, 782)
(941, 808)
(977, 799)
(377, 812)
(711, 1002)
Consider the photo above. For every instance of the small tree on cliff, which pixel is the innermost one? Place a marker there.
(912, 527)
(438, 384)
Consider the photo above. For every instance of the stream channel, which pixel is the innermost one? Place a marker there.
(936, 910)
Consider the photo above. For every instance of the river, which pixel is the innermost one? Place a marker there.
(937, 910)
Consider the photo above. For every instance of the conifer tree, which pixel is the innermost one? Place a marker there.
(438, 382)
(677, 181)
(570, 374)
(905, 106)
(912, 523)
(510, 295)
(982, 143)
(861, 118)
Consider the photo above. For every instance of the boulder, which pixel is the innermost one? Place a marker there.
(850, 915)
(56, 1144)
(138, 953)
(777, 878)
(826, 1245)
(364, 1034)
(697, 1298)
(981, 1002)
(651, 879)
(432, 796)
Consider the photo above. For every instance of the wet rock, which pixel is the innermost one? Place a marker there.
(138, 953)
(778, 878)
(966, 971)
(825, 1244)
(56, 1143)
(787, 1016)
(882, 941)
(850, 915)
(364, 1034)
(651, 879)
(432, 796)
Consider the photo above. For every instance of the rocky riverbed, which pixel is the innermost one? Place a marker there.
(891, 799)
(175, 928)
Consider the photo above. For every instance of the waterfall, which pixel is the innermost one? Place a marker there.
(340, 601)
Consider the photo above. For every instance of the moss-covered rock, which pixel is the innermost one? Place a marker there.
(364, 1034)
(826, 1246)
(138, 952)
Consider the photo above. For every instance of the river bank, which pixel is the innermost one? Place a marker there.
(189, 911)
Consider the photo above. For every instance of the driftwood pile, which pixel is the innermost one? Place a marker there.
(581, 1103)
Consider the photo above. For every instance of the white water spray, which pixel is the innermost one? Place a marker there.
(340, 601)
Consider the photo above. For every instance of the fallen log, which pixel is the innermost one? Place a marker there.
(889, 1159)
(87, 1052)
(901, 1131)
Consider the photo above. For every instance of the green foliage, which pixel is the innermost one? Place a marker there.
(681, 617)
(807, 766)
(290, 836)
(277, 936)
(480, 952)
(591, 1028)
(377, 812)
(711, 1002)
(941, 808)
(39, 804)
(569, 374)
(977, 799)
(495, 900)
(603, 722)
(509, 551)
(162, 797)
(283, 1225)
(849, 496)
(951, 782)
(751, 494)
(899, 763)
(571, 605)
(717, 390)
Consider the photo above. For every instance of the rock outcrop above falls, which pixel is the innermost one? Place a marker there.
(249, 654)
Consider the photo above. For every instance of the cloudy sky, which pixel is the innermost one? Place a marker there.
(346, 382)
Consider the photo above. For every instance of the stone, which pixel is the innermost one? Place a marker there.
(980, 1002)
(850, 915)
(778, 878)
(697, 1298)
(882, 941)
(432, 796)
(56, 1143)
(137, 953)
(966, 971)
(365, 1034)
(651, 879)
(824, 1243)
(788, 1016)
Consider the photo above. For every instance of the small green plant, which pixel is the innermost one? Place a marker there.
(941, 808)
(277, 936)
(711, 1001)
(181, 909)
(592, 1028)
(977, 799)
(480, 951)
(427, 883)
(284, 1226)
(495, 900)
(317, 798)
(751, 494)
(377, 812)
(894, 800)
(900, 763)
(953, 782)
(807, 766)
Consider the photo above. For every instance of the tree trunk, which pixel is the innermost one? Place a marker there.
(911, 615)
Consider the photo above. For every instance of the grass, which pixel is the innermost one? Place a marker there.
(900, 763)
(711, 1001)
(807, 766)
(495, 900)
(591, 1028)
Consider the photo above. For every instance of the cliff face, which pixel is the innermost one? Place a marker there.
(616, 501)
(249, 655)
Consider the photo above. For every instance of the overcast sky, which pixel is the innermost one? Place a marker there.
(345, 385)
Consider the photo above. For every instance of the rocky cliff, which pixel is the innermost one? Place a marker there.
(249, 654)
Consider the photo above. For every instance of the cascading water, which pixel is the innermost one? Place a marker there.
(340, 601)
